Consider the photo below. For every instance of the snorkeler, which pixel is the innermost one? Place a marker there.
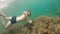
(15, 19)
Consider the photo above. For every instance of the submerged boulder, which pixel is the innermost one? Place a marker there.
(43, 25)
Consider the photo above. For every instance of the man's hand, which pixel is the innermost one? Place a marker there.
(30, 21)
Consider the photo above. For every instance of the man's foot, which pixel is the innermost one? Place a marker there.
(2, 14)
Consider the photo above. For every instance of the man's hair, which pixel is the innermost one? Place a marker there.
(29, 12)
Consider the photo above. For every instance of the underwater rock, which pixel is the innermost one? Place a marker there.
(40, 25)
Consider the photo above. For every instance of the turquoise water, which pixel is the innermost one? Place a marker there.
(38, 7)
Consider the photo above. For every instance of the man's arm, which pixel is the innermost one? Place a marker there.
(29, 20)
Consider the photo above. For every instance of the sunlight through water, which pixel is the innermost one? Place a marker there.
(5, 3)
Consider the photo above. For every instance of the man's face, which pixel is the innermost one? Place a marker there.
(27, 12)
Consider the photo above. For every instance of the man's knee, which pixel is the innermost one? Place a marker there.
(8, 18)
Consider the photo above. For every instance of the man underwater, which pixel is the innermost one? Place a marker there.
(15, 19)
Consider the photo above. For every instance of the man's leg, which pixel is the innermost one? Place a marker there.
(4, 24)
(4, 15)
(8, 18)
(8, 24)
